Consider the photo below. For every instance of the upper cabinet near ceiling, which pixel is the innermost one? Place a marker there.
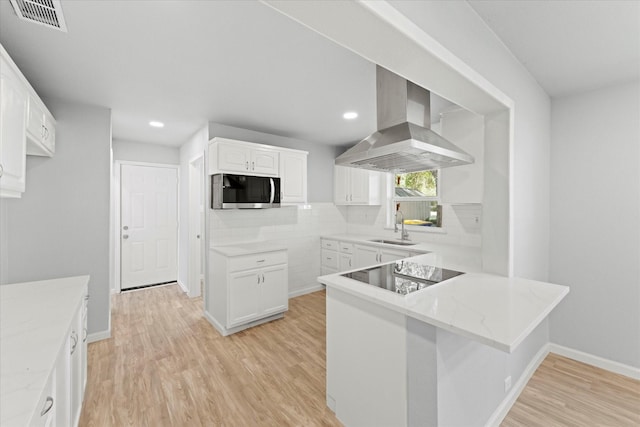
(227, 155)
(13, 98)
(41, 130)
(26, 127)
(353, 186)
(293, 173)
(247, 158)
(463, 184)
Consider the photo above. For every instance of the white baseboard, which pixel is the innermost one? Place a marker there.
(225, 332)
(308, 290)
(99, 336)
(184, 288)
(597, 361)
(505, 406)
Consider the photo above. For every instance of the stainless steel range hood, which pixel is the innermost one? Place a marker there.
(404, 142)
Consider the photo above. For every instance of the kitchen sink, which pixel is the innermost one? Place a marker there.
(393, 242)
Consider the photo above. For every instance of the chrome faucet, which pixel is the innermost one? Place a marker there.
(405, 234)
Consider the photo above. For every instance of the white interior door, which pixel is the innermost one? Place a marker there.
(149, 225)
(196, 228)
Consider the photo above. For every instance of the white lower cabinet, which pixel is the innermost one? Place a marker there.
(370, 255)
(246, 290)
(45, 415)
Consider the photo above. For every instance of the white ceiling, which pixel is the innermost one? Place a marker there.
(243, 64)
(569, 46)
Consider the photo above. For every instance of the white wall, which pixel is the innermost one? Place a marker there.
(141, 152)
(191, 149)
(595, 222)
(460, 30)
(60, 226)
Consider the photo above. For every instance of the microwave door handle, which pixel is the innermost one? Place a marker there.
(273, 190)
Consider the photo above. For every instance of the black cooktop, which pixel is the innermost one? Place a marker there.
(402, 277)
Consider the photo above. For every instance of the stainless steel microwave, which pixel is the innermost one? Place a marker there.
(244, 192)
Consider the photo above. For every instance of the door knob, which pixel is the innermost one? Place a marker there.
(125, 228)
(198, 236)
(125, 236)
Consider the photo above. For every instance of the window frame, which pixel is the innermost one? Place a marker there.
(392, 199)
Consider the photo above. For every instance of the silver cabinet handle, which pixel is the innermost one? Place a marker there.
(125, 236)
(84, 335)
(197, 236)
(246, 165)
(74, 338)
(263, 278)
(125, 228)
(349, 262)
(258, 278)
(1, 170)
(48, 404)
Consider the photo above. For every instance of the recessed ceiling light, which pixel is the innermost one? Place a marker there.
(156, 124)
(350, 115)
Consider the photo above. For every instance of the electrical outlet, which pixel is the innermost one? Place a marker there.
(507, 383)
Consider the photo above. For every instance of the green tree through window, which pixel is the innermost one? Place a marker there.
(423, 181)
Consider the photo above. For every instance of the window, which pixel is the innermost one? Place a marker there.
(416, 196)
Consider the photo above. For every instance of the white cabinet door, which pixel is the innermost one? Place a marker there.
(13, 110)
(244, 297)
(388, 255)
(353, 186)
(233, 158)
(293, 176)
(366, 256)
(75, 371)
(359, 186)
(341, 185)
(264, 162)
(35, 124)
(274, 289)
(45, 414)
(463, 184)
(345, 262)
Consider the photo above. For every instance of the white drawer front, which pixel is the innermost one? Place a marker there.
(346, 248)
(264, 259)
(330, 244)
(329, 259)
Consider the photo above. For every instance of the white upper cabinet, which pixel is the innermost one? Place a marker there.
(26, 127)
(353, 186)
(463, 184)
(13, 109)
(41, 131)
(293, 175)
(228, 155)
(247, 158)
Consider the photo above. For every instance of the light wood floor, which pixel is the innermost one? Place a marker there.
(166, 366)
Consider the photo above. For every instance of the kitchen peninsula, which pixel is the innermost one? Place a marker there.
(447, 354)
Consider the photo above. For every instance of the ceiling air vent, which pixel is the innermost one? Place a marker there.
(43, 12)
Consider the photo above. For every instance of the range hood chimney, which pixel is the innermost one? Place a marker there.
(404, 141)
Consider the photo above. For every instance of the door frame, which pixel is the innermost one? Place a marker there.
(117, 190)
(196, 248)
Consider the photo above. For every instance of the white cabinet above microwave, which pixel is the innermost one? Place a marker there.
(228, 155)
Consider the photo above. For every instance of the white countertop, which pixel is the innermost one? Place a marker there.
(241, 249)
(35, 318)
(495, 310)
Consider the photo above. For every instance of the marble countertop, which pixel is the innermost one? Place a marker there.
(35, 319)
(241, 249)
(495, 310)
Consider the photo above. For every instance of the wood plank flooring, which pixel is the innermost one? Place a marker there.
(165, 365)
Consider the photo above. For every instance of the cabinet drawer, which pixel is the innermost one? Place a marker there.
(264, 259)
(346, 248)
(330, 244)
(329, 259)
